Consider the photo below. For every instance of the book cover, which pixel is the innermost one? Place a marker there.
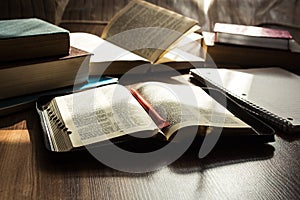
(31, 38)
(252, 36)
(253, 31)
(36, 75)
(241, 56)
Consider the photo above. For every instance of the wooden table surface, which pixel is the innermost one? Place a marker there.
(29, 171)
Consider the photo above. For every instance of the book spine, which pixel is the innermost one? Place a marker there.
(58, 132)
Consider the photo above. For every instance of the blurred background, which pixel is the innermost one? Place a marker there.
(93, 15)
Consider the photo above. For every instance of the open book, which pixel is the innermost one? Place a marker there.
(270, 93)
(112, 112)
(144, 33)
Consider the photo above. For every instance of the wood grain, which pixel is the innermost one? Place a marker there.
(29, 171)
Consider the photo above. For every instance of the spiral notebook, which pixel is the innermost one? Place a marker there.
(270, 93)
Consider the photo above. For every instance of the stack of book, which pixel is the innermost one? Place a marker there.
(36, 56)
(36, 59)
(251, 46)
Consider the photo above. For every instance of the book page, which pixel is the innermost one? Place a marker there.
(103, 113)
(109, 58)
(188, 49)
(273, 89)
(152, 29)
(186, 105)
(103, 51)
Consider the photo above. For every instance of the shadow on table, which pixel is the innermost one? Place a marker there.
(77, 163)
(290, 137)
(221, 156)
(82, 163)
(15, 121)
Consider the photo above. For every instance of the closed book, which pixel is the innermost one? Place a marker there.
(245, 56)
(252, 36)
(29, 76)
(32, 38)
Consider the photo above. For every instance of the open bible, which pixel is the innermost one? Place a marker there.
(112, 113)
(142, 33)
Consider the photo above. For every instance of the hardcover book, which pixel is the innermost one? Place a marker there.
(32, 38)
(36, 75)
(245, 56)
(252, 36)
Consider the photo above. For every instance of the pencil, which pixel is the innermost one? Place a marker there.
(159, 121)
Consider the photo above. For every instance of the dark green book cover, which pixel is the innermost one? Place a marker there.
(31, 38)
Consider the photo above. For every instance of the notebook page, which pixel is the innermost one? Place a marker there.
(272, 89)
